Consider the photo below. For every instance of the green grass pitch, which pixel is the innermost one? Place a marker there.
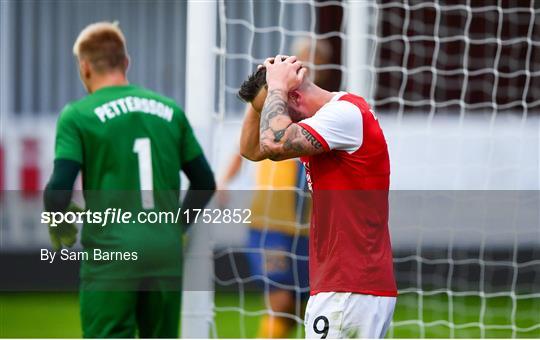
(56, 315)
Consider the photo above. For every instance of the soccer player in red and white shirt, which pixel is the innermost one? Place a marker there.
(338, 138)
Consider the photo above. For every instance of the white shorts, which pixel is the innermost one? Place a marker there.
(348, 315)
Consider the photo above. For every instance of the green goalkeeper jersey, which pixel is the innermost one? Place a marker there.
(132, 144)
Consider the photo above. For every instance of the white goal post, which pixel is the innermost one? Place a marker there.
(358, 53)
(197, 299)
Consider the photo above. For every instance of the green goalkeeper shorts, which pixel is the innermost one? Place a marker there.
(146, 307)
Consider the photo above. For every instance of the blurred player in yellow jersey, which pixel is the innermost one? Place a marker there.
(278, 242)
(277, 247)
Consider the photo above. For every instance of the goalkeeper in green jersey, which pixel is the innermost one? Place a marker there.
(130, 145)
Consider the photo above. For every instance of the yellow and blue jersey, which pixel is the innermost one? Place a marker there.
(278, 244)
(281, 202)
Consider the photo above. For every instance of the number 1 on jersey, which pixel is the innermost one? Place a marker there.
(144, 153)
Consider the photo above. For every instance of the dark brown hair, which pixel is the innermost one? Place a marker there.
(251, 87)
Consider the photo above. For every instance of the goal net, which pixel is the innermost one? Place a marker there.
(456, 86)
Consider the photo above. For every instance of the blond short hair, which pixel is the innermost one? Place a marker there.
(103, 45)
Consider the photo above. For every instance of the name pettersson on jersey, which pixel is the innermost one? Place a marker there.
(130, 104)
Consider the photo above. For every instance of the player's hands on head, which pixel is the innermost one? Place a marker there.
(284, 72)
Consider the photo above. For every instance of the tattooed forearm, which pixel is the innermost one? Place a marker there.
(279, 137)
(316, 144)
(274, 116)
(296, 142)
(299, 140)
(291, 143)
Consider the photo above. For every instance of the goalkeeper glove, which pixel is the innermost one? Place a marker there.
(64, 234)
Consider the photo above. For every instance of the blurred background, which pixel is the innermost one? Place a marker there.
(456, 87)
